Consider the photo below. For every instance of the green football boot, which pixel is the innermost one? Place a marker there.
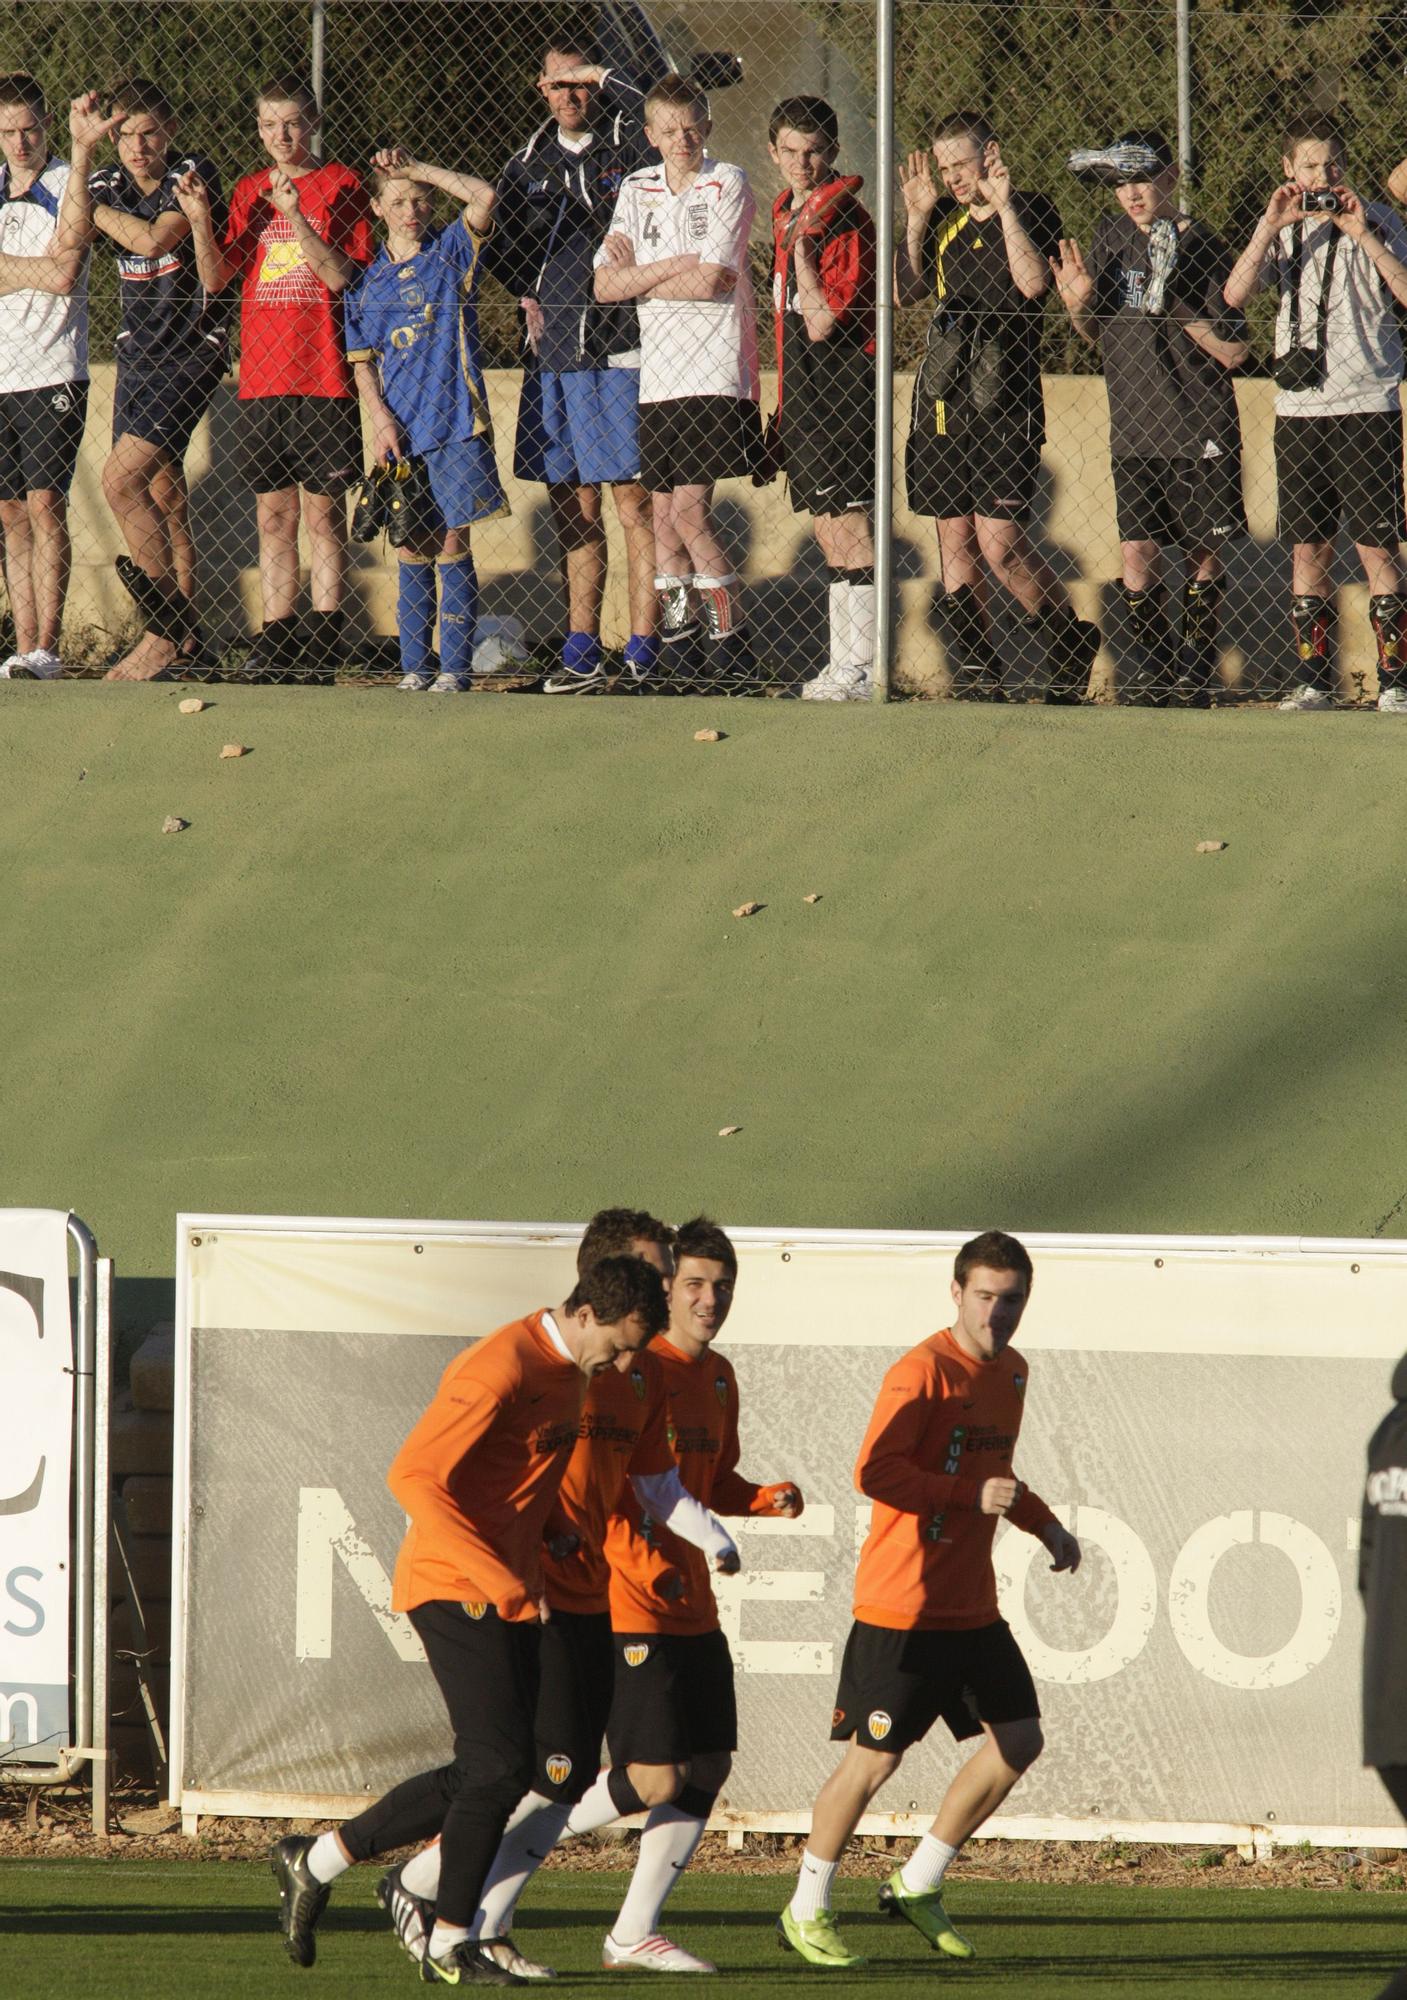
(817, 1939)
(926, 1913)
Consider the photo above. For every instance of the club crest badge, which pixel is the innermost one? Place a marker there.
(879, 1724)
(475, 1611)
(559, 1768)
(636, 1656)
(720, 1389)
(637, 1383)
(837, 1717)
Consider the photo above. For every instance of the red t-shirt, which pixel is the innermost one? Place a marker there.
(291, 340)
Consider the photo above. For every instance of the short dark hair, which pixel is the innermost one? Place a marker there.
(621, 1288)
(701, 1237)
(140, 97)
(805, 114)
(19, 87)
(1312, 125)
(611, 1231)
(289, 90)
(993, 1250)
(962, 125)
(675, 93)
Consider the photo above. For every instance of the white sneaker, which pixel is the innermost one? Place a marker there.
(507, 1957)
(16, 668)
(652, 1954)
(1393, 701)
(448, 684)
(44, 665)
(418, 683)
(838, 684)
(1305, 697)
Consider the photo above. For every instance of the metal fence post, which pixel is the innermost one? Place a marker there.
(317, 54)
(884, 349)
(1184, 96)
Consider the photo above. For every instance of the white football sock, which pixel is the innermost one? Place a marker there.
(444, 1937)
(593, 1810)
(839, 606)
(326, 1861)
(927, 1865)
(528, 1839)
(862, 610)
(666, 1849)
(421, 1874)
(813, 1886)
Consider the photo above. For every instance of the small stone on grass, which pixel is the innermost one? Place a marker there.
(173, 824)
(748, 909)
(708, 736)
(728, 1131)
(1211, 846)
(193, 705)
(235, 750)
(812, 898)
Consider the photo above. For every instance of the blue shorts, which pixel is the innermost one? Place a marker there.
(464, 481)
(578, 429)
(164, 408)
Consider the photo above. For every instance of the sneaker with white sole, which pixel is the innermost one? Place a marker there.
(416, 683)
(652, 1954)
(449, 684)
(1305, 697)
(1393, 701)
(413, 1916)
(44, 665)
(838, 684)
(566, 680)
(17, 668)
(507, 1957)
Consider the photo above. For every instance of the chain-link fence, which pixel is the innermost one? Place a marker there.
(514, 265)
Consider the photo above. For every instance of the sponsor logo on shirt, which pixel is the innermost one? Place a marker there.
(879, 1724)
(281, 260)
(698, 220)
(1387, 1490)
(559, 1767)
(636, 1656)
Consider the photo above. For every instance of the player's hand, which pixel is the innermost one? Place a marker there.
(283, 191)
(1072, 277)
(1396, 183)
(728, 1562)
(1351, 218)
(1065, 1551)
(1284, 206)
(397, 163)
(535, 320)
(999, 1496)
(87, 126)
(995, 183)
(669, 1586)
(783, 1500)
(544, 1611)
(588, 75)
(619, 251)
(387, 444)
(917, 185)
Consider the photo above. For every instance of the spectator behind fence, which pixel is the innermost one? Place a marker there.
(413, 339)
(823, 295)
(172, 349)
(43, 378)
(1151, 300)
(1340, 264)
(299, 232)
(978, 416)
(578, 411)
(678, 246)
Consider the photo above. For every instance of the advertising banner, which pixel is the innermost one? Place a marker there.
(36, 1441)
(1197, 1412)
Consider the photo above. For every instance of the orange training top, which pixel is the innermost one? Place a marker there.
(623, 1430)
(703, 1431)
(942, 1426)
(480, 1470)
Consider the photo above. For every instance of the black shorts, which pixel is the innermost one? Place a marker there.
(575, 1686)
(1180, 503)
(40, 432)
(161, 403)
(1333, 469)
(895, 1685)
(309, 441)
(674, 1698)
(693, 440)
(986, 469)
(829, 463)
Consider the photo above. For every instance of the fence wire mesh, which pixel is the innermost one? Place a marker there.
(566, 349)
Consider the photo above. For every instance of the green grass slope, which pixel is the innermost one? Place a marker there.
(477, 958)
(145, 1932)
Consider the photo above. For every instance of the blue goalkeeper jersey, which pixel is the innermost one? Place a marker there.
(418, 321)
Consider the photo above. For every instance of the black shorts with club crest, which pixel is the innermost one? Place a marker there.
(1332, 469)
(674, 1698)
(310, 441)
(894, 1685)
(40, 432)
(693, 440)
(576, 1683)
(1180, 503)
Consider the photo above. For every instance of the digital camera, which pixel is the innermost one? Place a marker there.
(1321, 201)
(1302, 368)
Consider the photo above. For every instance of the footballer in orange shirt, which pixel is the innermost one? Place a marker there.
(928, 1639)
(675, 1712)
(477, 1477)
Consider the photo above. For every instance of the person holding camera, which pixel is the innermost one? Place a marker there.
(1340, 264)
(1150, 298)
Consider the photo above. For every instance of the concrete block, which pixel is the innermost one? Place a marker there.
(139, 1441)
(154, 1371)
(148, 1503)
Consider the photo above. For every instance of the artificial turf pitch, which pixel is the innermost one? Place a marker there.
(140, 1931)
